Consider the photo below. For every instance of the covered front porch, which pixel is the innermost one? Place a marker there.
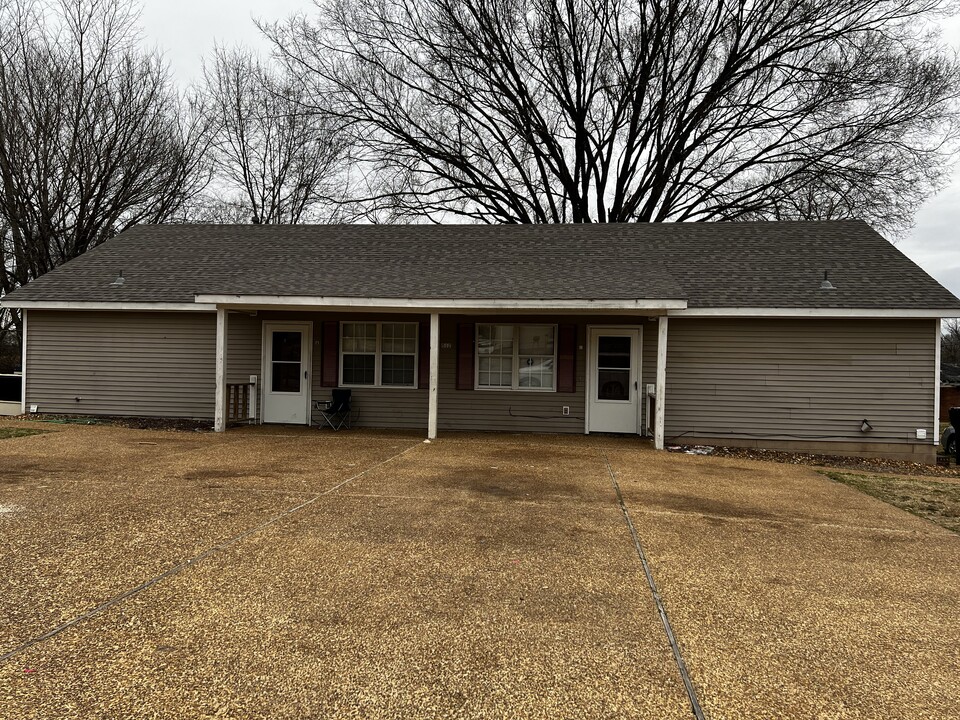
(562, 369)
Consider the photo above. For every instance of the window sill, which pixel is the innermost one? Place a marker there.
(516, 390)
(378, 387)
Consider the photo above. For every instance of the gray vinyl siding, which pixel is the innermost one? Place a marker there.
(741, 379)
(503, 410)
(121, 363)
(243, 357)
(243, 347)
(800, 379)
(648, 370)
(400, 408)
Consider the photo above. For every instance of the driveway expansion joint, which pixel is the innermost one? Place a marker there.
(691, 691)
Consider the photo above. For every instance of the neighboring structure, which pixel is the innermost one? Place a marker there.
(949, 389)
(11, 389)
(721, 333)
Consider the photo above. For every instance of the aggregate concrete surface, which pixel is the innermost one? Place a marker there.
(477, 576)
(794, 596)
(461, 579)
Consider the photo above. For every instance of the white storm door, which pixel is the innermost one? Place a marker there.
(614, 382)
(286, 388)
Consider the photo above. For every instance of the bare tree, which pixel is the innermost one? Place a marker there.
(275, 160)
(93, 139)
(636, 110)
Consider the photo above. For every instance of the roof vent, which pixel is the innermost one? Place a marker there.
(119, 281)
(825, 284)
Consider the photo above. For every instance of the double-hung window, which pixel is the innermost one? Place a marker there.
(516, 357)
(378, 354)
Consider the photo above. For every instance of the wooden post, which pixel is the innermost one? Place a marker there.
(220, 396)
(434, 375)
(661, 400)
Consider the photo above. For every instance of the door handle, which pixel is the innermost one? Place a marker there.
(304, 374)
(636, 384)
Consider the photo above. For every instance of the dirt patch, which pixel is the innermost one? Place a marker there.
(936, 501)
(7, 433)
(876, 465)
(711, 507)
(134, 423)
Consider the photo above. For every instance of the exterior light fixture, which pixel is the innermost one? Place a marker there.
(865, 426)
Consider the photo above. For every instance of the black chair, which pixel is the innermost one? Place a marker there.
(336, 411)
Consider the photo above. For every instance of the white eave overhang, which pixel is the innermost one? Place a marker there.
(672, 308)
(103, 305)
(745, 312)
(308, 302)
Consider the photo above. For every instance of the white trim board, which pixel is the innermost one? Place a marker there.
(302, 301)
(811, 313)
(674, 308)
(90, 305)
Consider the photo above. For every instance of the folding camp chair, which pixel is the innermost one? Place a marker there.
(336, 411)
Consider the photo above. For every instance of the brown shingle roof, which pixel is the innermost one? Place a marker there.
(762, 264)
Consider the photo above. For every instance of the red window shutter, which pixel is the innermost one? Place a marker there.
(424, 350)
(329, 367)
(567, 358)
(465, 338)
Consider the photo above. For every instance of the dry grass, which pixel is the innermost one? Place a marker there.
(933, 500)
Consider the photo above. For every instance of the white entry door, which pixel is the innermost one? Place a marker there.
(613, 400)
(286, 387)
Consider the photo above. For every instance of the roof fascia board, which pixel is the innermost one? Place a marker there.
(306, 301)
(814, 313)
(91, 305)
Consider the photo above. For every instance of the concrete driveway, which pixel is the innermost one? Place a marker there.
(282, 573)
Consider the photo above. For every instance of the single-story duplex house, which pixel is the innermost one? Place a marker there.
(816, 336)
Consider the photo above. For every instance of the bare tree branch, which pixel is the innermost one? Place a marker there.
(285, 163)
(636, 110)
(93, 139)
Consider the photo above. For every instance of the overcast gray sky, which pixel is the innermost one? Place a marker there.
(187, 30)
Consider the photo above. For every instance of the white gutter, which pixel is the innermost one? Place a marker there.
(90, 305)
(811, 313)
(320, 301)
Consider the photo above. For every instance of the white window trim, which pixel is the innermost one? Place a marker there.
(516, 359)
(378, 355)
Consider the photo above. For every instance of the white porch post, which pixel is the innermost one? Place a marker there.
(661, 383)
(23, 362)
(434, 375)
(936, 380)
(220, 397)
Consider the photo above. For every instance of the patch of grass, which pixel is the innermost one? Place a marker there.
(933, 500)
(7, 433)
